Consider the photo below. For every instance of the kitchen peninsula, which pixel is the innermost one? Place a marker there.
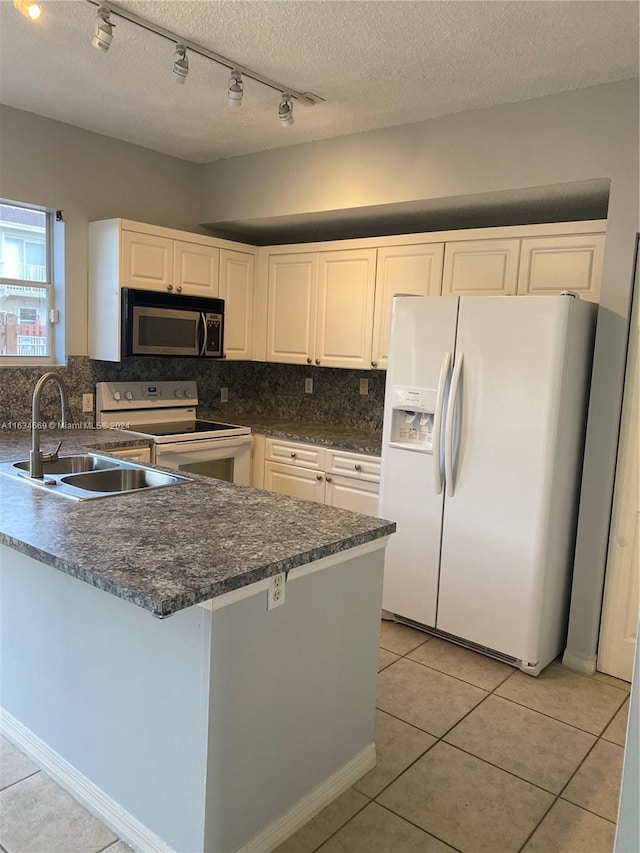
(225, 726)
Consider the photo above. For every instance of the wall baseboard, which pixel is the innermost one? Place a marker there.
(306, 808)
(585, 665)
(134, 833)
(127, 827)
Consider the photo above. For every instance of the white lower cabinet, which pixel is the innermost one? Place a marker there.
(133, 454)
(336, 478)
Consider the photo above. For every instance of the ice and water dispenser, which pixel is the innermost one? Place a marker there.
(412, 413)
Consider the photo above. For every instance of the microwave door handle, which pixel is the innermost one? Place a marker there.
(203, 327)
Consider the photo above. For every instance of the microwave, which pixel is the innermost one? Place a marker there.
(171, 324)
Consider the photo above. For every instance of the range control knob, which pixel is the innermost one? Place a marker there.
(116, 395)
(188, 393)
(177, 393)
(128, 395)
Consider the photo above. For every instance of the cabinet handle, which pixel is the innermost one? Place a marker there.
(317, 361)
(374, 364)
(328, 479)
(224, 355)
(318, 476)
(358, 467)
(293, 455)
(179, 288)
(309, 360)
(169, 287)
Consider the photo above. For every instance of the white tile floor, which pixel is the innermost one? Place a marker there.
(472, 756)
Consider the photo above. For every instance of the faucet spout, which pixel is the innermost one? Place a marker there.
(36, 457)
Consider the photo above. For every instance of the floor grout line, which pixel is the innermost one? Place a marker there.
(24, 779)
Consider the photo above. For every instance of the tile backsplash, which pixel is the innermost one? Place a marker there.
(253, 387)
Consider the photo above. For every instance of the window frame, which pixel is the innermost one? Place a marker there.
(49, 286)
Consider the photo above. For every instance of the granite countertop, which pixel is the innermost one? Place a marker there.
(170, 548)
(326, 435)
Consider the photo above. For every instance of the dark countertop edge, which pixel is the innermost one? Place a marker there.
(162, 608)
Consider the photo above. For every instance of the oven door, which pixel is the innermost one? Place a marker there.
(222, 458)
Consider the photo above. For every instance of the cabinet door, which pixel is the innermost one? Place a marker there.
(554, 264)
(352, 494)
(296, 482)
(195, 269)
(402, 270)
(147, 261)
(346, 286)
(133, 454)
(236, 288)
(481, 268)
(291, 313)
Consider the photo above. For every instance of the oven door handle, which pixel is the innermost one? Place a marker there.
(202, 444)
(203, 332)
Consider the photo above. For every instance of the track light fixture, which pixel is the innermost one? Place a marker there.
(103, 35)
(180, 63)
(28, 9)
(285, 110)
(235, 90)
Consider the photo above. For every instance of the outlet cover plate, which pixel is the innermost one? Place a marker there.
(308, 386)
(364, 386)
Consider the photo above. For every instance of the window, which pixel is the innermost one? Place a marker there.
(26, 284)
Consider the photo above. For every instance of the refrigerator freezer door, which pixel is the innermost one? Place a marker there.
(496, 522)
(423, 330)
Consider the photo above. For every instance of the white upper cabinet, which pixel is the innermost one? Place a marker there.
(292, 298)
(552, 264)
(346, 286)
(147, 261)
(195, 269)
(481, 268)
(320, 308)
(123, 253)
(236, 288)
(415, 270)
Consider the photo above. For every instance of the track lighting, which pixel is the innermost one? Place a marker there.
(236, 89)
(180, 63)
(285, 110)
(28, 9)
(103, 35)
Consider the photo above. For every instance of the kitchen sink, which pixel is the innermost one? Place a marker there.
(89, 475)
(72, 464)
(121, 480)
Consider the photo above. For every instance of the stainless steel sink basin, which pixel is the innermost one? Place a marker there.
(89, 475)
(72, 464)
(121, 480)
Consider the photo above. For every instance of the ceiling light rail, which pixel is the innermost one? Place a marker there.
(304, 97)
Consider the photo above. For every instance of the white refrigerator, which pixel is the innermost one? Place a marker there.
(482, 445)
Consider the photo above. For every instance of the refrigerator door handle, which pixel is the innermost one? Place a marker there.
(437, 422)
(451, 409)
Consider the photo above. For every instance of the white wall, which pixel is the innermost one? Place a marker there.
(88, 177)
(575, 136)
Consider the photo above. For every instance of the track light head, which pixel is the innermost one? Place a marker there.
(103, 35)
(180, 63)
(285, 110)
(28, 9)
(236, 89)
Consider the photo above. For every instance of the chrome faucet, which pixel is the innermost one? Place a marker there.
(36, 457)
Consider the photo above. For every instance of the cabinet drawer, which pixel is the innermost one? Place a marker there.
(292, 453)
(358, 465)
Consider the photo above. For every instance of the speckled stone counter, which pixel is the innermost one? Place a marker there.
(326, 435)
(169, 548)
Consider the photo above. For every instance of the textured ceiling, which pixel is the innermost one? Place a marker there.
(376, 64)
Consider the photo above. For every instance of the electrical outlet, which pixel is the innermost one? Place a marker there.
(364, 386)
(224, 395)
(308, 386)
(275, 594)
(87, 403)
